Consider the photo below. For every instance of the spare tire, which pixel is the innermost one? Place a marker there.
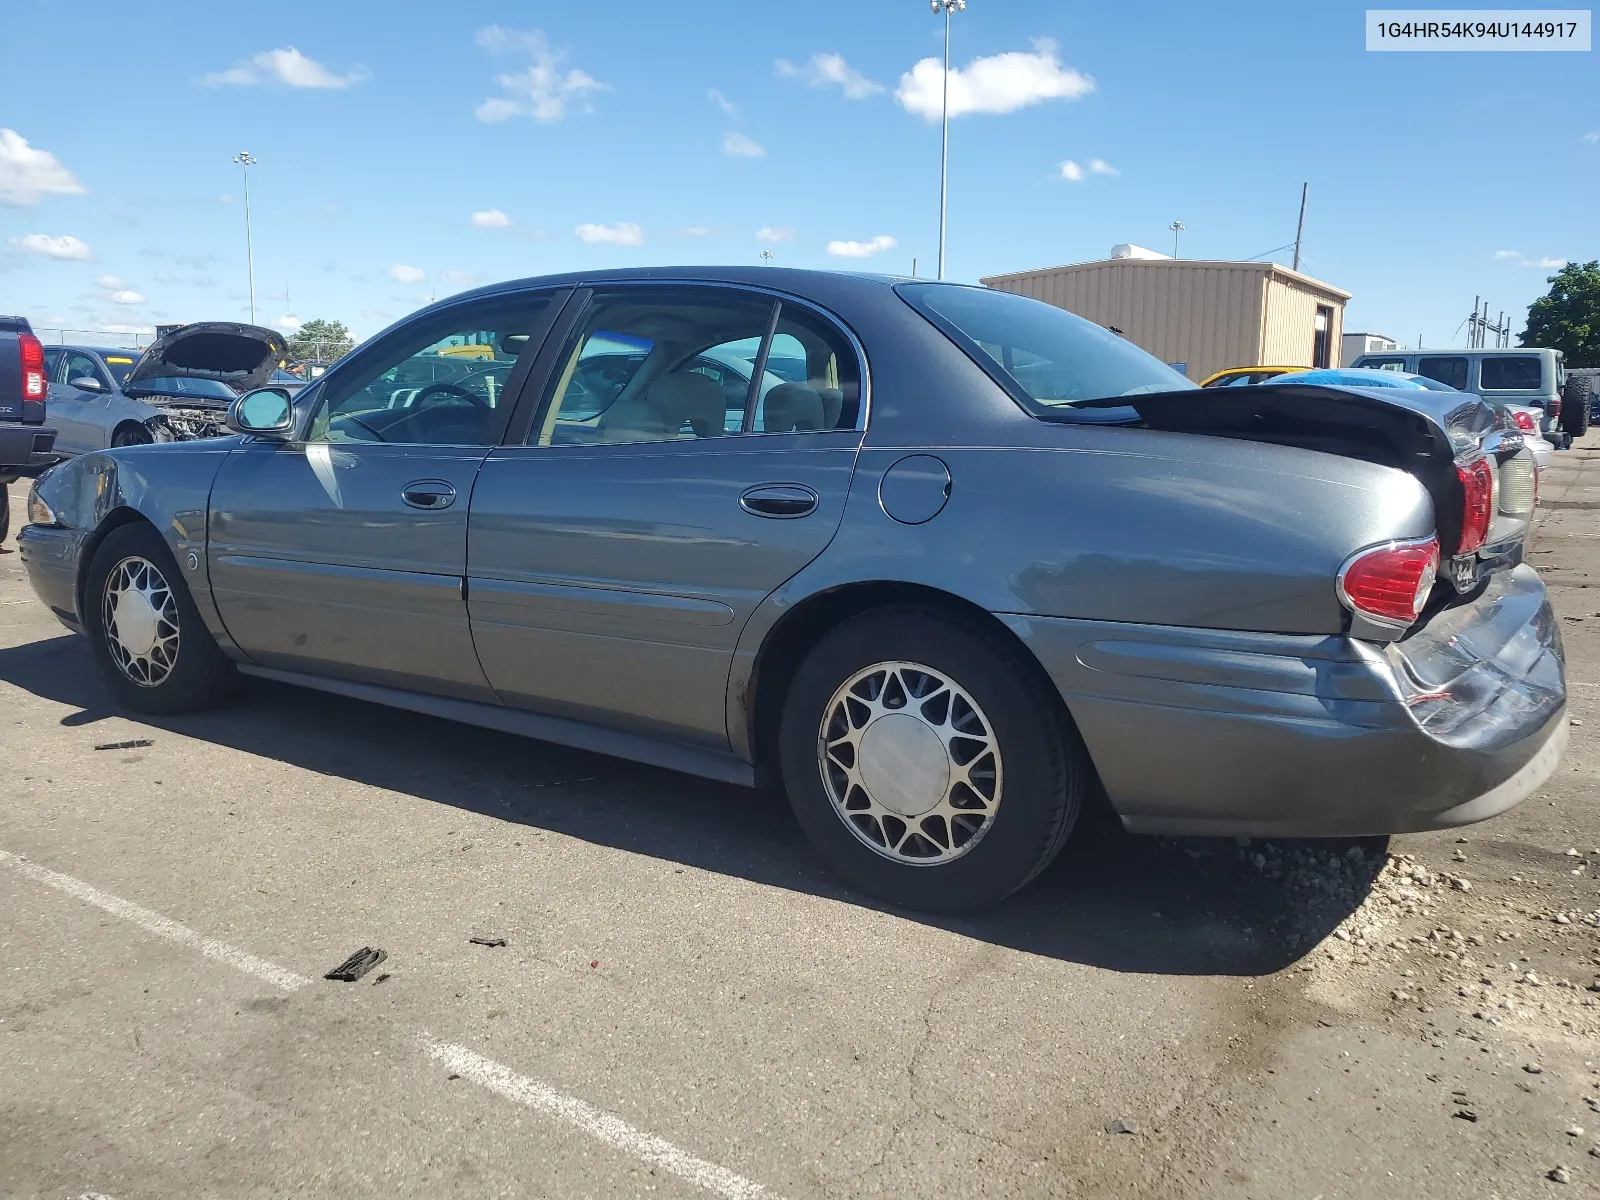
(1575, 405)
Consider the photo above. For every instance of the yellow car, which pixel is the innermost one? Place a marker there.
(1236, 376)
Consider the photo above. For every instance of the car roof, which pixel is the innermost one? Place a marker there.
(102, 351)
(1486, 352)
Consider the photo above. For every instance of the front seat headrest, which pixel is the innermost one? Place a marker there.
(792, 407)
(692, 397)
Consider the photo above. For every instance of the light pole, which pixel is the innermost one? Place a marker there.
(946, 7)
(246, 161)
(1177, 227)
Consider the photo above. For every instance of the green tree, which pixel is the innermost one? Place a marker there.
(1568, 317)
(319, 340)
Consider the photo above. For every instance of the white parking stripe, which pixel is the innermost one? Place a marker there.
(163, 926)
(596, 1122)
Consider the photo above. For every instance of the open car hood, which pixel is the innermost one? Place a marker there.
(242, 356)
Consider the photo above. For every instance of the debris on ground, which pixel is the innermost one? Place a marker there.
(135, 744)
(487, 941)
(1118, 1125)
(1559, 1175)
(357, 965)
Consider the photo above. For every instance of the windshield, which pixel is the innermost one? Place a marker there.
(1044, 356)
(120, 365)
(199, 389)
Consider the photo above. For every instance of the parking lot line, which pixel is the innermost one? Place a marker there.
(597, 1123)
(485, 1072)
(166, 927)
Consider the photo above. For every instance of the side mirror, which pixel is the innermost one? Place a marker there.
(87, 383)
(265, 412)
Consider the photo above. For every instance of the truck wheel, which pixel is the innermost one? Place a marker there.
(928, 761)
(147, 636)
(1575, 406)
(5, 512)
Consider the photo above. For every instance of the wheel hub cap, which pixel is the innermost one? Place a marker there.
(140, 618)
(904, 765)
(911, 763)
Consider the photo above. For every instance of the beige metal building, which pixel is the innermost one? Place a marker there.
(1207, 315)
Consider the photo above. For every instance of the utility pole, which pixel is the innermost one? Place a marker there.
(947, 7)
(1300, 229)
(766, 258)
(1177, 227)
(246, 161)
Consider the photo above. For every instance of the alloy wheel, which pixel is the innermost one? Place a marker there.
(911, 763)
(140, 617)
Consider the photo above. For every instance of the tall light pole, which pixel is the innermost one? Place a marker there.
(246, 161)
(947, 7)
(1177, 227)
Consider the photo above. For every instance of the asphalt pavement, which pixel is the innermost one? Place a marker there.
(687, 1004)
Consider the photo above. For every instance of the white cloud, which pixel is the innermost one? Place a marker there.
(1070, 170)
(1101, 167)
(490, 218)
(27, 175)
(457, 277)
(1001, 83)
(288, 67)
(623, 233)
(722, 102)
(65, 246)
(110, 282)
(227, 198)
(1592, 136)
(114, 327)
(775, 233)
(740, 146)
(1505, 254)
(125, 296)
(287, 323)
(862, 249)
(1522, 260)
(829, 70)
(1554, 264)
(542, 91)
(401, 273)
(693, 231)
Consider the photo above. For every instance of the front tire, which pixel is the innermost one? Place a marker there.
(131, 435)
(148, 638)
(928, 760)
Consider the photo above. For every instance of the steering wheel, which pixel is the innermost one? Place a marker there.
(450, 389)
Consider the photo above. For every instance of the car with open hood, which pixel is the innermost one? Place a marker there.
(177, 389)
(973, 565)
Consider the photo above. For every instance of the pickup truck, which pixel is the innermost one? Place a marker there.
(25, 443)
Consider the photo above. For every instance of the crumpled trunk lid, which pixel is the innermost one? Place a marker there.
(241, 356)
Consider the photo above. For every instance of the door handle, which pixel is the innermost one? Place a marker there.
(783, 501)
(429, 494)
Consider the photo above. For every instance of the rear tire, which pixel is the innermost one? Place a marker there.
(972, 749)
(5, 511)
(149, 640)
(1575, 406)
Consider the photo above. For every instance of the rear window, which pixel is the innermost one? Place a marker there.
(1045, 357)
(1519, 374)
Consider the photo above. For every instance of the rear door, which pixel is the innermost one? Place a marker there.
(615, 557)
(344, 553)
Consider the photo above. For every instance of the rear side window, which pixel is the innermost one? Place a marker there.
(1451, 370)
(1519, 374)
(1046, 357)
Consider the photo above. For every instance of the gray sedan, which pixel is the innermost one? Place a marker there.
(972, 565)
(179, 388)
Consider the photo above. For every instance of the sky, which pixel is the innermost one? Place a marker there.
(408, 151)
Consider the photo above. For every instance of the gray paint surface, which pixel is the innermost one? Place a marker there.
(626, 587)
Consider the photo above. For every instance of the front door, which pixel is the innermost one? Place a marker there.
(616, 555)
(79, 413)
(344, 553)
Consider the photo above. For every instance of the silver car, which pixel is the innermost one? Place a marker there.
(974, 564)
(179, 388)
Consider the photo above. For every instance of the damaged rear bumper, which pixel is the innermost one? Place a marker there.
(1212, 732)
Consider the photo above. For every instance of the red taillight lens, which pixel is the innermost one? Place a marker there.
(32, 366)
(1390, 584)
(1477, 503)
(1525, 422)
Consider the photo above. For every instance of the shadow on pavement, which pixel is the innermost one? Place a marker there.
(1157, 905)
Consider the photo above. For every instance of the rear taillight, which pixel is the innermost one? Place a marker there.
(33, 387)
(1477, 503)
(1390, 584)
(1525, 422)
(1519, 485)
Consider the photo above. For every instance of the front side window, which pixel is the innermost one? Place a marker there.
(1450, 369)
(83, 366)
(684, 364)
(1521, 373)
(437, 382)
(1046, 357)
